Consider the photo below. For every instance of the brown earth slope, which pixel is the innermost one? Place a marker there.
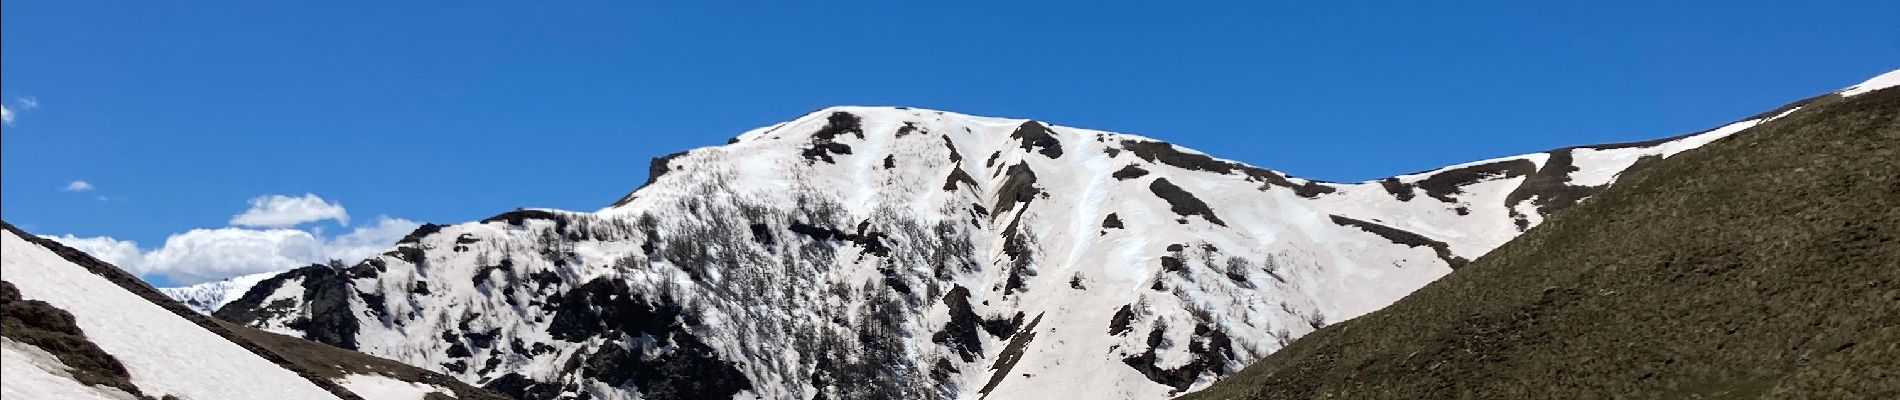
(1764, 265)
(335, 363)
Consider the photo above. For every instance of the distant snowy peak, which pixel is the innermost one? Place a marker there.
(207, 297)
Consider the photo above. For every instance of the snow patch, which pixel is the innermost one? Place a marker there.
(378, 387)
(1886, 80)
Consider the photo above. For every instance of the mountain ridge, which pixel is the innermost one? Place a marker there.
(1013, 219)
(861, 252)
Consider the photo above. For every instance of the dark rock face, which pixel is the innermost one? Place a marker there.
(659, 166)
(412, 254)
(955, 157)
(520, 387)
(1310, 189)
(458, 350)
(483, 272)
(1447, 184)
(960, 333)
(1019, 186)
(1398, 189)
(601, 306)
(519, 217)
(763, 234)
(1275, 179)
(331, 321)
(684, 367)
(1129, 172)
(1112, 222)
(419, 233)
(326, 292)
(1211, 351)
(1119, 325)
(1012, 353)
(1003, 327)
(958, 176)
(1551, 188)
(687, 370)
(1165, 153)
(1405, 238)
(909, 128)
(53, 330)
(1172, 264)
(1182, 202)
(249, 309)
(871, 242)
(1036, 135)
(823, 145)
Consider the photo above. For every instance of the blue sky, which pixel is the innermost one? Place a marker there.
(180, 115)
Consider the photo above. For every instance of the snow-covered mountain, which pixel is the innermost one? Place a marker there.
(209, 296)
(880, 252)
(78, 328)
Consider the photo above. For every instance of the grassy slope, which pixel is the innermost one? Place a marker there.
(1764, 265)
(335, 363)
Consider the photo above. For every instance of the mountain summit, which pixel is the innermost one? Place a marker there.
(888, 252)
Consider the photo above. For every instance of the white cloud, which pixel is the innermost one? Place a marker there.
(208, 254)
(367, 241)
(280, 211)
(202, 255)
(262, 239)
(8, 113)
(123, 253)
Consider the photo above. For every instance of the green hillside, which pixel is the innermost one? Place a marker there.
(1764, 265)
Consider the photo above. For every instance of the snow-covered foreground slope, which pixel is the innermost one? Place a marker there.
(875, 252)
(77, 328)
(125, 335)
